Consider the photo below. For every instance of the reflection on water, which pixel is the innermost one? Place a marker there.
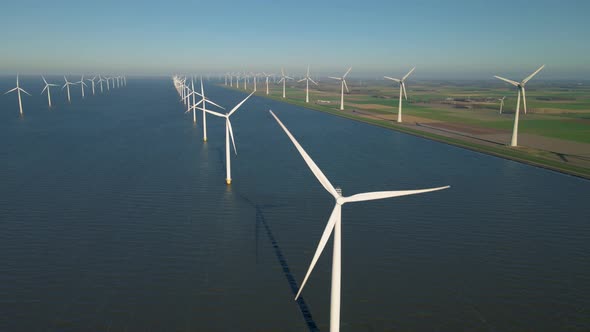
(115, 216)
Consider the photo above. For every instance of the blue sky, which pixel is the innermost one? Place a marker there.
(444, 39)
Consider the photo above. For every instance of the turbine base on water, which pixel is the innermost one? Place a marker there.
(228, 181)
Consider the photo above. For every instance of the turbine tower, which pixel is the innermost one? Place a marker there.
(284, 79)
(344, 85)
(18, 90)
(520, 86)
(402, 88)
(47, 85)
(334, 226)
(228, 134)
(307, 79)
(67, 86)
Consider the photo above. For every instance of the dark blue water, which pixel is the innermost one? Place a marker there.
(114, 216)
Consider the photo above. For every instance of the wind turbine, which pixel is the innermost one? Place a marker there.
(520, 86)
(266, 76)
(402, 88)
(18, 90)
(82, 84)
(334, 225)
(344, 85)
(67, 86)
(92, 80)
(47, 85)
(100, 80)
(204, 106)
(284, 79)
(307, 78)
(228, 133)
(501, 100)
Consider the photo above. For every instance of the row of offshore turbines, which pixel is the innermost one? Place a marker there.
(110, 82)
(189, 97)
(245, 78)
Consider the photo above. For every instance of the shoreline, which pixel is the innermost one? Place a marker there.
(500, 151)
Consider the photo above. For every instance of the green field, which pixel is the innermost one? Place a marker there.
(555, 111)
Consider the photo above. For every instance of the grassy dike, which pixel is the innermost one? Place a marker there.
(534, 158)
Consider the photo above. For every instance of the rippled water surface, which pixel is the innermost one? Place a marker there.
(114, 216)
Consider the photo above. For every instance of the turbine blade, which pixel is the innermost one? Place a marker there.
(310, 163)
(345, 85)
(335, 78)
(334, 217)
(44, 80)
(312, 81)
(524, 99)
(348, 71)
(212, 112)
(533, 74)
(391, 78)
(10, 91)
(404, 88)
(45, 88)
(231, 134)
(387, 194)
(301, 80)
(408, 74)
(238, 105)
(23, 90)
(210, 102)
(507, 80)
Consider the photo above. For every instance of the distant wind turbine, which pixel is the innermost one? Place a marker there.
(18, 90)
(100, 80)
(267, 76)
(82, 84)
(47, 85)
(520, 86)
(228, 134)
(92, 80)
(284, 79)
(402, 88)
(67, 86)
(501, 100)
(334, 225)
(204, 106)
(344, 85)
(307, 79)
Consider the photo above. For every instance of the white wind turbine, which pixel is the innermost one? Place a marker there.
(228, 134)
(18, 90)
(203, 100)
(501, 100)
(67, 86)
(47, 85)
(92, 81)
(344, 85)
(520, 86)
(267, 76)
(82, 84)
(402, 88)
(307, 78)
(334, 225)
(100, 80)
(284, 79)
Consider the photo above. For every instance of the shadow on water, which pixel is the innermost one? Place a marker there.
(261, 220)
